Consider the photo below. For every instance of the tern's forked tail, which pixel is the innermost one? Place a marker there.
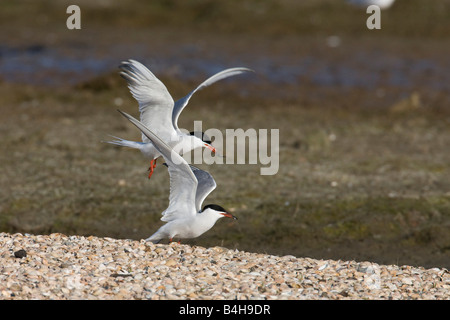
(126, 143)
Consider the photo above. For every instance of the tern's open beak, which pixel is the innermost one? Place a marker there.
(229, 215)
(210, 147)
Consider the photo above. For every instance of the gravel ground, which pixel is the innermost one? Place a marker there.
(57, 266)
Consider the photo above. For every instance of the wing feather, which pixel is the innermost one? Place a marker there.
(182, 103)
(155, 102)
(206, 184)
(183, 182)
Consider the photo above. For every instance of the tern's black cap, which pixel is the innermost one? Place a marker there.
(214, 207)
(202, 136)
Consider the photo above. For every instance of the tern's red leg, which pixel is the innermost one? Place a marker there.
(152, 167)
(171, 240)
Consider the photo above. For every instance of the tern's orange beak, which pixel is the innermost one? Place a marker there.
(210, 147)
(229, 215)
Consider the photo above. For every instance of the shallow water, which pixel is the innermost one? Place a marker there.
(43, 65)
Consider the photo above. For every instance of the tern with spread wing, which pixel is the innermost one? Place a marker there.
(159, 112)
(189, 186)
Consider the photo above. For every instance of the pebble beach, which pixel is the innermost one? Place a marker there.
(61, 267)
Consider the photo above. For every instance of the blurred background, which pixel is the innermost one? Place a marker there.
(364, 119)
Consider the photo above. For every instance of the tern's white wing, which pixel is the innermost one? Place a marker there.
(183, 183)
(180, 104)
(155, 102)
(206, 184)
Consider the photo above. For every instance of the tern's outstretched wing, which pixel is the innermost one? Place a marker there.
(180, 104)
(206, 184)
(183, 183)
(155, 102)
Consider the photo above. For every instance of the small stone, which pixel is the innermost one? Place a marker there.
(322, 267)
(407, 281)
(171, 263)
(15, 287)
(20, 253)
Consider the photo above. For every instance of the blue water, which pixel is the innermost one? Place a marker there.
(48, 66)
